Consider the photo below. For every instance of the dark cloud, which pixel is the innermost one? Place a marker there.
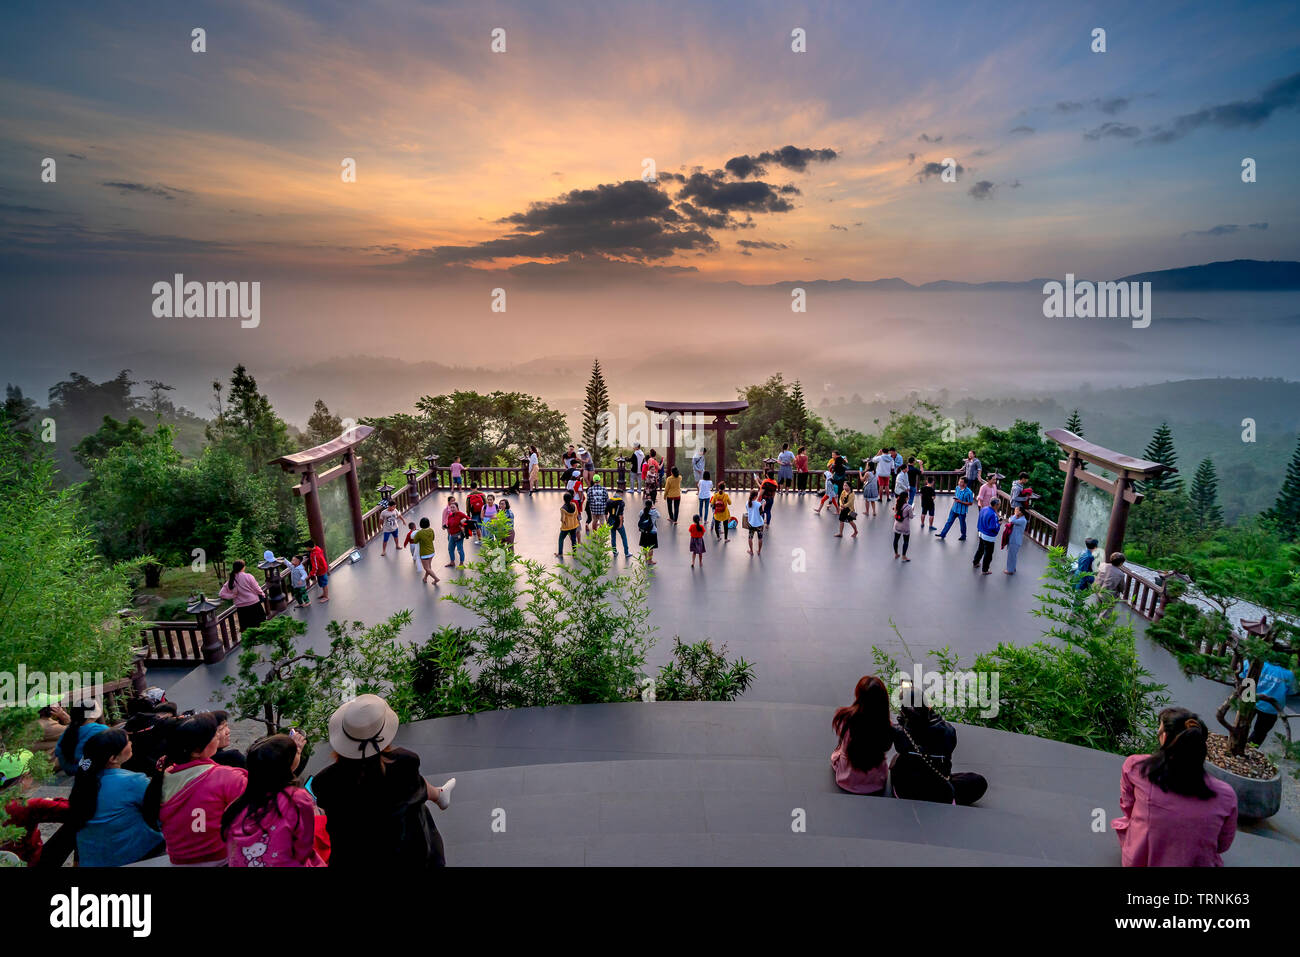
(787, 157)
(1112, 105)
(75, 156)
(935, 169)
(22, 210)
(1112, 131)
(1068, 107)
(1259, 225)
(843, 229)
(911, 158)
(759, 244)
(1239, 114)
(1023, 129)
(141, 189)
(712, 191)
(926, 138)
(1223, 230)
(982, 190)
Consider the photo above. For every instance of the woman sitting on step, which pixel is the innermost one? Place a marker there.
(922, 768)
(1175, 815)
(865, 737)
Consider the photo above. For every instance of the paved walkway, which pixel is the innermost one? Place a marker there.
(806, 612)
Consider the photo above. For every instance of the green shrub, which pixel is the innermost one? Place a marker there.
(698, 672)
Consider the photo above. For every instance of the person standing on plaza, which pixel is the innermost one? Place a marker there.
(829, 493)
(320, 569)
(1086, 564)
(475, 502)
(754, 520)
(588, 466)
(457, 473)
(988, 492)
(870, 490)
(617, 516)
(699, 465)
(973, 469)
(785, 461)
(390, 520)
(697, 531)
(1014, 537)
(767, 490)
(638, 461)
(962, 500)
(503, 508)
(801, 469)
(409, 542)
(987, 531)
(927, 502)
(721, 513)
(847, 515)
(704, 488)
(902, 485)
(650, 476)
(569, 521)
(489, 513)
(298, 582)
(673, 494)
(884, 463)
(902, 524)
(913, 479)
(247, 595)
(534, 470)
(597, 502)
(455, 523)
(424, 545)
(648, 525)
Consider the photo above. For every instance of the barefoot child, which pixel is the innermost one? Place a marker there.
(298, 581)
(410, 543)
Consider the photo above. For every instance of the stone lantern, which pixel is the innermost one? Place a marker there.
(273, 568)
(202, 609)
(385, 493)
(412, 473)
(432, 461)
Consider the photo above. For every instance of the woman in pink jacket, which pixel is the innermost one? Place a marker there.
(1175, 815)
(273, 823)
(244, 590)
(195, 794)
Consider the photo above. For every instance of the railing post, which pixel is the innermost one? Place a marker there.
(275, 596)
(202, 610)
(432, 461)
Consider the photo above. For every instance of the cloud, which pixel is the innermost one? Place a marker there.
(926, 138)
(1068, 107)
(75, 156)
(1023, 129)
(787, 157)
(911, 158)
(1222, 230)
(982, 190)
(642, 222)
(935, 169)
(759, 244)
(1239, 114)
(1109, 105)
(843, 229)
(1112, 131)
(1260, 226)
(140, 189)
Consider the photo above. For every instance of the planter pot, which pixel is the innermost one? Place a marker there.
(1256, 799)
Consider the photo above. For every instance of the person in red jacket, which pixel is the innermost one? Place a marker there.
(475, 502)
(457, 523)
(320, 569)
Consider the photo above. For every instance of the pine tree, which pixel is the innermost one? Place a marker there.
(1074, 423)
(458, 439)
(1285, 513)
(323, 426)
(595, 412)
(1205, 495)
(1161, 449)
(796, 413)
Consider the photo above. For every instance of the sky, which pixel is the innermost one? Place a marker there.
(482, 168)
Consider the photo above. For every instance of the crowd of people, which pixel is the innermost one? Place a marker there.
(172, 784)
(1173, 812)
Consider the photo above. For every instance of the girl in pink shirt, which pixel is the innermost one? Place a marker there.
(1175, 815)
(863, 730)
(195, 793)
(273, 823)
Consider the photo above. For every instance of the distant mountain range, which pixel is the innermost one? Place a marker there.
(1240, 275)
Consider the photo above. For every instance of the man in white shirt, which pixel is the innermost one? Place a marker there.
(638, 457)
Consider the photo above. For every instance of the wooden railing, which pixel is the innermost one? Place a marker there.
(1143, 596)
(180, 643)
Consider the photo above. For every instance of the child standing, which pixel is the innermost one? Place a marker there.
(927, 502)
(705, 492)
(457, 473)
(648, 524)
(298, 581)
(722, 513)
(697, 542)
(754, 520)
(390, 521)
(410, 543)
(828, 491)
(847, 515)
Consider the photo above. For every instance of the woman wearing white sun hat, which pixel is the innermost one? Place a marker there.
(374, 796)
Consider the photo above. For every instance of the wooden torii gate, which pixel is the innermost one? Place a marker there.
(720, 424)
(1127, 470)
(305, 463)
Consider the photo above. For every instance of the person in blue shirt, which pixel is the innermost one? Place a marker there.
(1086, 564)
(962, 499)
(987, 530)
(83, 724)
(107, 806)
(1275, 682)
